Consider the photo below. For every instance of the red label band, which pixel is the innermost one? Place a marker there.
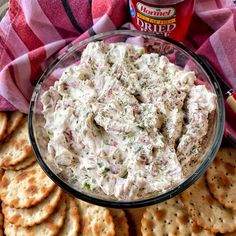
(167, 20)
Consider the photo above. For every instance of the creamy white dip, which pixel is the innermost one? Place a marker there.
(123, 122)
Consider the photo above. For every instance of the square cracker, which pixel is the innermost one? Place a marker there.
(72, 221)
(23, 164)
(95, 220)
(34, 215)
(49, 227)
(207, 211)
(17, 147)
(25, 188)
(221, 177)
(170, 218)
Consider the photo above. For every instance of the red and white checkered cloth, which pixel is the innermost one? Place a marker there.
(32, 31)
(213, 34)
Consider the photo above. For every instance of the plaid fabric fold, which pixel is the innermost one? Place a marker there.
(213, 34)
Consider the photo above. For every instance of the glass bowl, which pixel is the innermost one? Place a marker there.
(176, 53)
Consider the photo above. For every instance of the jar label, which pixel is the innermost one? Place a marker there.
(167, 20)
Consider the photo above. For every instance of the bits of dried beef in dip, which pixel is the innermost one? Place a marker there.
(123, 122)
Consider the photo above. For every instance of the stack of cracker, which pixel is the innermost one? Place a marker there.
(34, 205)
(208, 207)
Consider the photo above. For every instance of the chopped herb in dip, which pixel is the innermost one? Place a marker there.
(123, 122)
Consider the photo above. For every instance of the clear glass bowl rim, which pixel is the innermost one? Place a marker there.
(156, 199)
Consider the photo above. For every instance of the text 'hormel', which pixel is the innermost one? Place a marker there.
(154, 12)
